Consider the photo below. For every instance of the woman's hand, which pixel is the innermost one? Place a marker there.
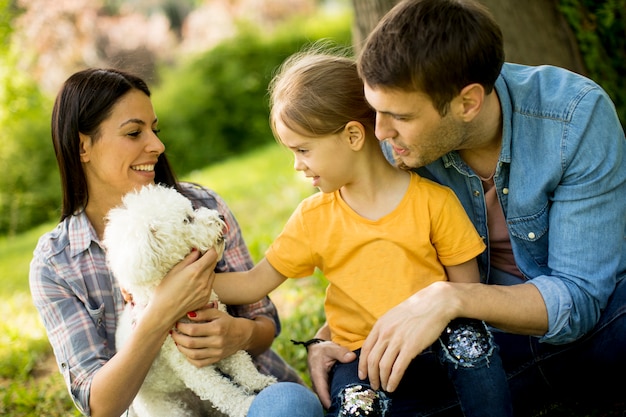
(210, 336)
(186, 287)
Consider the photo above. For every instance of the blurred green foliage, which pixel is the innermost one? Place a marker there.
(600, 28)
(29, 187)
(215, 105)
(28, 191)
(210, 106)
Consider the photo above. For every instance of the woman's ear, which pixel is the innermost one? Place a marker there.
(354, 132)
(84, 147)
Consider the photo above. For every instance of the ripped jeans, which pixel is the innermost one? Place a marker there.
(468, 355)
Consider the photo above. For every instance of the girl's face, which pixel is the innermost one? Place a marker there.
(326, 160)
(123, 156)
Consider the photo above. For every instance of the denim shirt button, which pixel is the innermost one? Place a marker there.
(476, 193)
(531, 235)
(505, 191)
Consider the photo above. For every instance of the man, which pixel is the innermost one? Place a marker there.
(536, 156)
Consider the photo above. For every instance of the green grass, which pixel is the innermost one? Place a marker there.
(262, 190)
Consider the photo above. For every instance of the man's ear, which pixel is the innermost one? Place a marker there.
(84, 147)
(354, 132)
(469, 102)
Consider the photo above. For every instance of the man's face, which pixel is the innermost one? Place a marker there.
(413, 127)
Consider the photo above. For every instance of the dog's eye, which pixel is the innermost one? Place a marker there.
(189, 219)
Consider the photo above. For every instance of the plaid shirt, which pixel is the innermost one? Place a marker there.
(79, 301)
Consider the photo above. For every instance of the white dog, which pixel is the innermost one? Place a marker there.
(153, 230)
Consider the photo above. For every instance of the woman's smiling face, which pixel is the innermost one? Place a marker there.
(123, 155)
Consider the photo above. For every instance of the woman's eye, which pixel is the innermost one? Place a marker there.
(134, 134)
(156, 131)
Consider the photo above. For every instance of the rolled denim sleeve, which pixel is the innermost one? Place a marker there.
(587, 220)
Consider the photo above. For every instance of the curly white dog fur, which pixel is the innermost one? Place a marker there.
(153, 230)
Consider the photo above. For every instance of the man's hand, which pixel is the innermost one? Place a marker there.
(321, 358)
(400, 335)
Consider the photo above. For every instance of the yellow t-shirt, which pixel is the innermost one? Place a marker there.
(372, 266)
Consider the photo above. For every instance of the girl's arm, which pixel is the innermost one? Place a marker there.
(465, 272)
(246, 287)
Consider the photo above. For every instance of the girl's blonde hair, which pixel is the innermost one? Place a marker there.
(317, 91)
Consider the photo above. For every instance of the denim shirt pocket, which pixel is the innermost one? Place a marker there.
(529, 238)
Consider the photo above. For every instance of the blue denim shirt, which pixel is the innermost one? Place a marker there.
(561, 181)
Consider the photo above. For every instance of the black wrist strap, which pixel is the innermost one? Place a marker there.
(307, 343)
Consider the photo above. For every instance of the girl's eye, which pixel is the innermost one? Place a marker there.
(302, 151)
(134, 134)
(156, 131)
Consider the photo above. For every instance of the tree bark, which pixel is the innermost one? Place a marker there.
(535, 32)
(367, 13)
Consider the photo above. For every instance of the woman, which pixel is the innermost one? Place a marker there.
(105, 137)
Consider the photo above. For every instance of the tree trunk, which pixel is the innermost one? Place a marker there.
(367, 13)
(535, 32)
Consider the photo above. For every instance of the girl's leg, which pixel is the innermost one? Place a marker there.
(351, 396)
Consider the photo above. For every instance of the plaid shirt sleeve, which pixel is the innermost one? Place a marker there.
(77, 299)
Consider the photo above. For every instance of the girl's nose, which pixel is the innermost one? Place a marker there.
(298, 165)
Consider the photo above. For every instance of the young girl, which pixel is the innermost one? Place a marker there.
(379, 234)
